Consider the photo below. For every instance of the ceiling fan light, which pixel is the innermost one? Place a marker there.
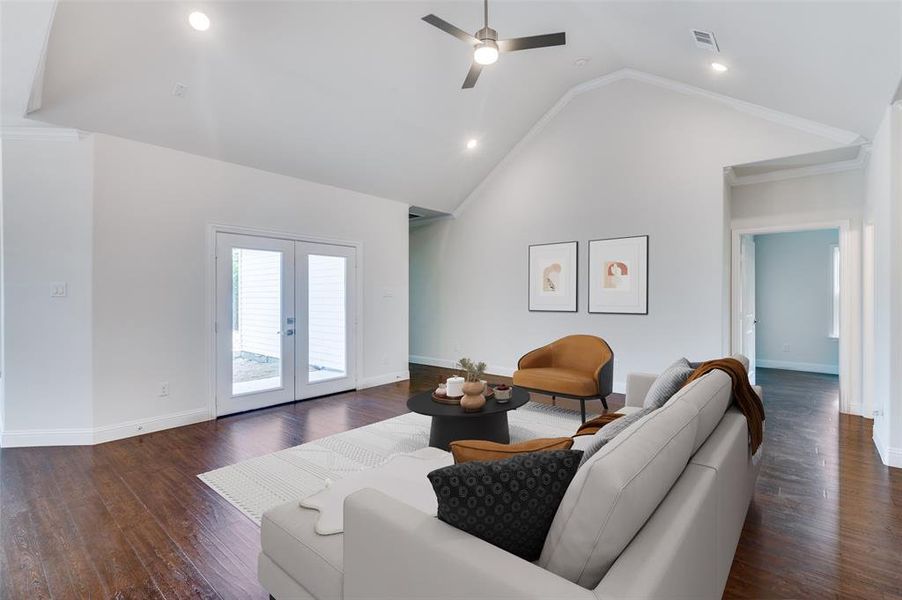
(486, 53)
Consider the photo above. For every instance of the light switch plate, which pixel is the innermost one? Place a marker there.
(59, 289)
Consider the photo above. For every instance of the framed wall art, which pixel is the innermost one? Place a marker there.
(553, 271)
(618, 275)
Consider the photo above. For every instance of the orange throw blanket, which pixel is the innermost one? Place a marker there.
(593, 425)
(744, 396)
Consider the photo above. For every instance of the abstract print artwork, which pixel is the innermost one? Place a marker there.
(618, 275)
(552, 277)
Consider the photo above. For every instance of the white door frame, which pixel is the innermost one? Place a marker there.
(850, 299)
(212, 231)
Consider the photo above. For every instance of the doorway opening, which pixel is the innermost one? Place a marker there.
(794, 300)
(285, 325)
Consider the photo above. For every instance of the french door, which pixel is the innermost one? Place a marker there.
(285, 321)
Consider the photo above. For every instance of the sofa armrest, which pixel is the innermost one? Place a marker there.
(637, 386)
(393, 551)
(759, 390)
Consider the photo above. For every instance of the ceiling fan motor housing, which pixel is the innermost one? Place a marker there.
(486, 33)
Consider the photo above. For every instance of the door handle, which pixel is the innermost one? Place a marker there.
(289, 332)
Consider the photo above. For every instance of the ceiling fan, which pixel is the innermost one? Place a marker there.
(486, 44)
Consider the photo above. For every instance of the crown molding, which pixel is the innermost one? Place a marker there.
(856, 164)
(36, 94)
(41, 134)
(835, 134)
(729, 175)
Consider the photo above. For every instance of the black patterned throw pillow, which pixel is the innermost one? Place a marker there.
(509, 503)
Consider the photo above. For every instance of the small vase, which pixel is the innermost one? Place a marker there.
(473, 399)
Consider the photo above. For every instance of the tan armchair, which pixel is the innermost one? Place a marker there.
(577, 366)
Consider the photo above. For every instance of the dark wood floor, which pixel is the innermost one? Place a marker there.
(129, 519)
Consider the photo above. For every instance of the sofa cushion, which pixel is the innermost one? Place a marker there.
(562, 381)
(470, 450)
(615, 492)
(600, 438)
(509, 503)
(667, 384)
(316, 561)
(710, 395)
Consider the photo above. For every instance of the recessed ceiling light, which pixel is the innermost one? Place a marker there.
(719, 67)
(199, 21)
(471, 144)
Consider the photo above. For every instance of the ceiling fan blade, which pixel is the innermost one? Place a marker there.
(449, 28)
(533, 41)
(472, 76)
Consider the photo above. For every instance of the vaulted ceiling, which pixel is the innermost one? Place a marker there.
(366, 96)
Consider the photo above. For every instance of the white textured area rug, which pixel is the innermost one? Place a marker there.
(256, 485)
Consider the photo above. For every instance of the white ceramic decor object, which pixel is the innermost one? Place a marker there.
(454, 387)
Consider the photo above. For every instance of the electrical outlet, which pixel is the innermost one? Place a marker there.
(786, 348)
(164, 389)
(59, 289)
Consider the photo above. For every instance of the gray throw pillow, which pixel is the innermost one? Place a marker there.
(667, 384)
(590, 444)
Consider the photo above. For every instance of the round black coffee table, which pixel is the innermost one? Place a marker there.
(450, 422)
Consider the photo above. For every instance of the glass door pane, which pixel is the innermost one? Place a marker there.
(325, 308)
(255, 343)
(256, 320)
(326, 317)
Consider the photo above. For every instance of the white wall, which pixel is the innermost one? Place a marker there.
(629, 158)
(824, 197)
(47, 203)
(794, 301)
(880, 212)
(127, 226)
(151, 315)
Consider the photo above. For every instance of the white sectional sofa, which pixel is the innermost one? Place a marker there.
(656, 513)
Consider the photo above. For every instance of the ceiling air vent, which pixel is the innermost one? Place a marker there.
(706, 40)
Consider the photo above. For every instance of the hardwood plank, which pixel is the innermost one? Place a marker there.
(120, 570)
(73, 573)
(23, 565)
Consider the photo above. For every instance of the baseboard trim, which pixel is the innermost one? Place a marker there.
(383, 379)
(618, 386)
(47, 437)
(109, 433)
(891, 457)
(797, 366)
(452, 364)
(100, 435)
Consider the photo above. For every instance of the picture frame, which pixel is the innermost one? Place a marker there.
(618, 275)
(553, 277)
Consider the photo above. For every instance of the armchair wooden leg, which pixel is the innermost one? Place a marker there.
(554, 401)
(604, 401)
(582, 408)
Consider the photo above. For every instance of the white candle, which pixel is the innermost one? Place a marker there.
(455, 386)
